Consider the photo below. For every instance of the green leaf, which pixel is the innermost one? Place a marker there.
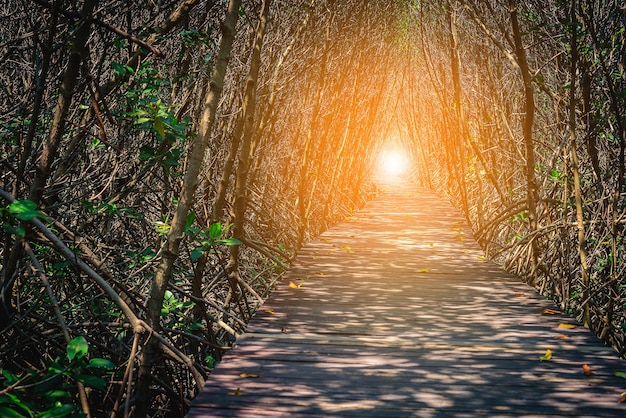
(620, 374)
(216, 230)
(11, 399)
(169, 296)
(24, 210)
(231, 242)
(95, 382)
(191, 218)
(10, 413)
(118, 68)
(210, 361)
(101, 362)
(197, 252)
(10, 377)
(142, 120)
(19, 231)
(57, 394)
(162, 228)
(159, 126)
(77, 348)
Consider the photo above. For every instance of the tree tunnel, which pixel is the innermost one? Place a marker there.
(162, 162)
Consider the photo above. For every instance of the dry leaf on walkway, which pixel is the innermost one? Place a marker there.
(347, 248)
(423, 270)
(547, 356)
(249, 375)
(551, 312)
(622, 398)
(567, 326)
(587, 370)
(269, 311)
(235, 393)
(295, 286)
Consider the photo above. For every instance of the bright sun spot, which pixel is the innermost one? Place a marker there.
(392, 162)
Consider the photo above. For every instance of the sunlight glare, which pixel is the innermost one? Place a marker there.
(392, 162)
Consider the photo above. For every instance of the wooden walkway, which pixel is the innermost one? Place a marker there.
(395, 313)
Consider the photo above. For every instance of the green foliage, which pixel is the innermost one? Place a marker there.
(195, 37)
(175, 313)
(111, 209)
(50, 393)
(20, 210)
(141, 258)
(149, 114)
(211, 237)
(25, 210)
(210, 361)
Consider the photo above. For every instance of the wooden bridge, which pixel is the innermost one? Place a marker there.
(394, 313)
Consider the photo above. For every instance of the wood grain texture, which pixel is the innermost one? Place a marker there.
(397, 314)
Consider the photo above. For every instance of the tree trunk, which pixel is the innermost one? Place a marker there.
(529, 97)
(459, 128)
(580, 221)
(243, 165)
(190, 184)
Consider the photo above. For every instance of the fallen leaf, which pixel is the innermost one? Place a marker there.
(423, 270)
(551, 312)
(567, 326)
(235, 393)
(520, 295)
(269, 311)
(295, 286)
(547, 356)
(587, 370)
(562, 337)
(622, 398)
(481, 258)
(620, 374)
(249, 375)
(432, 244)
(347, 248)
(321, 273)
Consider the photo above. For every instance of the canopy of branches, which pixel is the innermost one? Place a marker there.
(162, 162)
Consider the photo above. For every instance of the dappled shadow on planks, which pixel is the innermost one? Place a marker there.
(394, 312)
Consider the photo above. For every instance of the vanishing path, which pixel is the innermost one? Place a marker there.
(396, 314)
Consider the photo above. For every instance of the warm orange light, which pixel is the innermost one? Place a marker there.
(392, 162)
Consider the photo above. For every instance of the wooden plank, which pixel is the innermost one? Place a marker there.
(397, 314)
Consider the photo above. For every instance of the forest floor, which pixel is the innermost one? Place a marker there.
(395, 312)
